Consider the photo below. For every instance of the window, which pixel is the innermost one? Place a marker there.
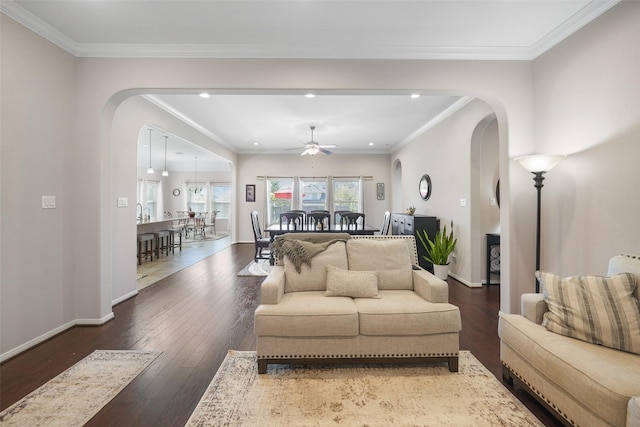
(280, 197)
(313, 193)
(221, 199)
(197, 197)
(151, 199)
(347, 194)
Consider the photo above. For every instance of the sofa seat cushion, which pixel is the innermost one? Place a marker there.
(599, 377)
(391, 259)
(314, 278)
(308, 314)
(400, 312)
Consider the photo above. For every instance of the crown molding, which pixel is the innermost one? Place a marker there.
(257, 51)
(187, 120)
(38, 26)
(448, 112)
(577, 21)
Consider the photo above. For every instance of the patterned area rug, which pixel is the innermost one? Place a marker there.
(362, 395)
(260, 268)
(76, 395)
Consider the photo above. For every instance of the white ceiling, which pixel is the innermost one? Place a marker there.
(384, 29)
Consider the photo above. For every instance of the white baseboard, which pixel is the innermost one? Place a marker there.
(124, 297)
(465, 282)
(36, 341)
(95, 322)
(32, 343)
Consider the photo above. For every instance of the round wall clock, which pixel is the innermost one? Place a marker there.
(425, 187)
(176, 192)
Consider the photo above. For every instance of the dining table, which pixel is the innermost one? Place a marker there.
(275, 230)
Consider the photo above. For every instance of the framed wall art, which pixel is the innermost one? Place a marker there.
(250, 193)
(380, 190)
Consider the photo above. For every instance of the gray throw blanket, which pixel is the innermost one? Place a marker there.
(300, 248)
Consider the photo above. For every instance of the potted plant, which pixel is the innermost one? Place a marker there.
(438, 250)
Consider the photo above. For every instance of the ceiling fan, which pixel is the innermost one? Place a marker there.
(312, 147)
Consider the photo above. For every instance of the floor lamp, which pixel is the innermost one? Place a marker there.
(538, 165)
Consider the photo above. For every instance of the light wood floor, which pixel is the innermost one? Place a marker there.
(151, 272)
(194, 317)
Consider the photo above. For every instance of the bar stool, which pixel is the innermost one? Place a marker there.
(172, 240)
(147, 239)
(162, 242)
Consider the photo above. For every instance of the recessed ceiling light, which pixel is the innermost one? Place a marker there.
(310, 95)
(415, 95)
(371, 143)
(205, 95)
(256, 143)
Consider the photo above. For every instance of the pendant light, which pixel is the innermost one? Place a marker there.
(195, 179)
(165, 172)
(150, 170)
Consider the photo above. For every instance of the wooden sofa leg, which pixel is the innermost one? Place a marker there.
(262, 366)
(453, 364)
(506, 375)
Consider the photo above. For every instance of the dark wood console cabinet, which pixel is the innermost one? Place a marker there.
(403, 224)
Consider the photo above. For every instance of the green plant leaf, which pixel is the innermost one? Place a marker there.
(440, 248)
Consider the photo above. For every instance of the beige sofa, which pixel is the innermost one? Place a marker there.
(583, 384)
(410, 320)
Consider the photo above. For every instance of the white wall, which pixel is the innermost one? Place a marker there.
(130, 116)
(58, 113)
(485, 213)
(252, 166)
(588, 106)
(37, 134)
(444, 152)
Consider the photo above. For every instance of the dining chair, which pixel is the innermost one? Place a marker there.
(319, 220)
(386, 224)
(351, 221)
(261, 242)
(292, 220)
(300, 211)
(212, 221)
(337, 216)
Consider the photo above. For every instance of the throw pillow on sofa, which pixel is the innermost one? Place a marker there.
(314, 277)
(599, 310)
(354, 284)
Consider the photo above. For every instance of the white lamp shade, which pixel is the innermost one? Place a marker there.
(165, 173)
(539, 162)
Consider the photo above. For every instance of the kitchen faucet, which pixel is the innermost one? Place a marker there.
(139, 205)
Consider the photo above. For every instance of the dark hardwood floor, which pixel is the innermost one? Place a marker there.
(194, 317)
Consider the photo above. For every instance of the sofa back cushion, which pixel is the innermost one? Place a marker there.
(595, 309)
(626, 263)
(314, 278)
(389, 258)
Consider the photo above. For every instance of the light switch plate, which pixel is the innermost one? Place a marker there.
(463, 202)
(123, 202)
(48, 202)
